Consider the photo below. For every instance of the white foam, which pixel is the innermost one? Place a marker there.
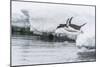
(86, 39)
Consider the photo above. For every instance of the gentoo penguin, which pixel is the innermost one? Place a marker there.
(69, 24)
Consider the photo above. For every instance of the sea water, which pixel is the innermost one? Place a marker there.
(29, 50)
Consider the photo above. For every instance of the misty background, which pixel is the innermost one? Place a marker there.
(46, 17)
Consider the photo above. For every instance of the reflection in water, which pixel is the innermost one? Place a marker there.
(28, 50)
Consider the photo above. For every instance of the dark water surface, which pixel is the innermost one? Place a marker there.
(28, 50)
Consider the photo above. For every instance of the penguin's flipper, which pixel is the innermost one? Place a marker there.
(67, 22)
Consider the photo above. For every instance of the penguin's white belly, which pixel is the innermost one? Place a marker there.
(69, 33)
